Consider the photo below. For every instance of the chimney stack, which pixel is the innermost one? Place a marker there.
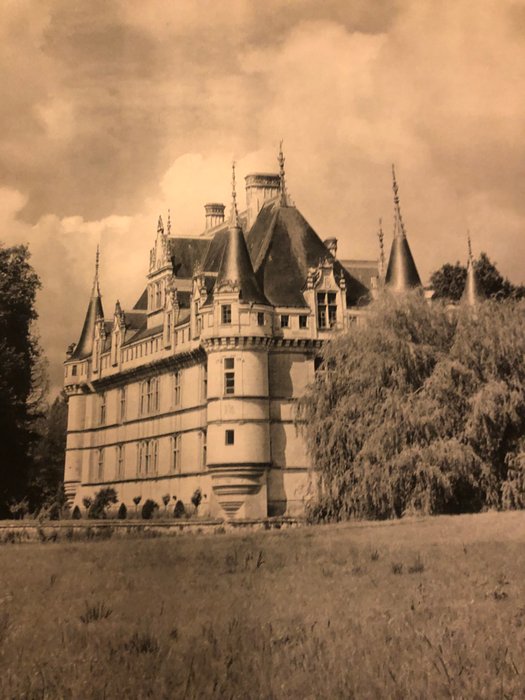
(214, 214)
(331, 244)
(259, 188)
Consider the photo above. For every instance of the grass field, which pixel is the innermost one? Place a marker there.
(415, 608)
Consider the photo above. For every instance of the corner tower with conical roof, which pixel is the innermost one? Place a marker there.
(77, 371)
(401, 274)
(237, 346)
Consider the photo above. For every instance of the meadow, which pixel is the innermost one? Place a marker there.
(416, 608)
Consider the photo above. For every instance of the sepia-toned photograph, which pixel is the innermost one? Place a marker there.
(262, 349)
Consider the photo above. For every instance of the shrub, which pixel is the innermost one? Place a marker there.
(196, 498)
(148, 509)
(93, 613)
(122, 512)
(179, 511)
(103, 499)
(76, 514)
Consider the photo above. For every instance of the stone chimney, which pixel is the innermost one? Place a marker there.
(259, 188)
(214, 214)
(331, 244)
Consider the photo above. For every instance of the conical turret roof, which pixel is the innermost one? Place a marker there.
(473, 293)
(84, 347)
(236, 268)
(401, 275)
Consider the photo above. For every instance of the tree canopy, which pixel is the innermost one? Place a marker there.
(420, 410)
(449, 281)
(19, 371)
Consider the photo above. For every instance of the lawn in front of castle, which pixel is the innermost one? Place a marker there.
(431, 607)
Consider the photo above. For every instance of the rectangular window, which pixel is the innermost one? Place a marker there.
(122, 404)
(177, 388)
(226, 313)
(158, 295)
(260, 319)
(229, 437)
(303, 321)
(102, 409)
(155, 456)
(204, 370)
(203, 448)
(175, 452)
(147, 460)
(229, 375)
(120, 461)
(140, 457)
(322, 318)
(74, 371)
(100, 464)
(285, 321)
(332, 309)
(156, 395)
(143, 398)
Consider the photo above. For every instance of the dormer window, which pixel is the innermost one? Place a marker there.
(326, 309)
(226, 313)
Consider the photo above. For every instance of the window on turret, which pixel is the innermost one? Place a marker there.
(74, 371)
(229, 375)
(122, 404)
(260, 319)
(102, 409)
(229, 437)
(226, 313)
(203, 441)
(100, 464)
(285, 321)
(204, 386)
(326, 309)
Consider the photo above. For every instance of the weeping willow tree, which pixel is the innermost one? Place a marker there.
(420, 410)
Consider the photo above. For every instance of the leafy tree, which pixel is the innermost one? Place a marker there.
(420, 411)
(449, 281)
(20, 372)
(49, 453)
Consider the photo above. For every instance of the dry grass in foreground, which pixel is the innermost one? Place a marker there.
(418, 608)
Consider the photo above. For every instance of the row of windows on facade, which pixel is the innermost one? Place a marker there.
(147, 456)
(150, 392)
(326, 313)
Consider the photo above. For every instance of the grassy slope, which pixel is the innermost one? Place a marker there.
(313, 612)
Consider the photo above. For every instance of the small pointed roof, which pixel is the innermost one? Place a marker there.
(84, 347)
(401, 275)
(236, 266)
(473, 293)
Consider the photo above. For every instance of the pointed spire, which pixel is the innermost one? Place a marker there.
(381, 237)
(160, 225)
(283, 193)
(472, 294)
(401, 274)
(94, 312)
(236, 270)
(168, 226)
(234, 214)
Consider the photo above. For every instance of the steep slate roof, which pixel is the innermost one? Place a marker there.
(236, 267)
(142, 303)
(187, 254)
(401, 274)
(363, 270)
(282, 246)
(84, 347)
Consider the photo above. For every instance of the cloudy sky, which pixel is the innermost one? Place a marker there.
(111, 111)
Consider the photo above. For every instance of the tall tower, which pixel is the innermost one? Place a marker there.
(472, 294)
(77, 372)
(238, 417)
(401, 275)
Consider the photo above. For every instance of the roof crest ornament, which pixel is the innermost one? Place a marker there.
(234, 213)
(160, 225)
(381, 237)
(168, 226)
(469, 246)
(96, 288)
(399, 226)
(281, 160)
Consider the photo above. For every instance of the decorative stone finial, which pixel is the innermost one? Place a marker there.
(160, 225)
(168, 227)
(281, 159)
(234, 213)
(399, 226)
(381, 237)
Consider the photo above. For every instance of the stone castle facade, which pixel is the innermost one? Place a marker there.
(195, 386)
